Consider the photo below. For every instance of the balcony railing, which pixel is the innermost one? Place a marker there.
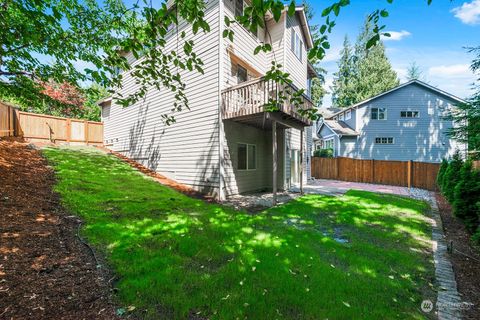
(256, 96)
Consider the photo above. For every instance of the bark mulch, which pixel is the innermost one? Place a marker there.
(46, 272)
(465, 259)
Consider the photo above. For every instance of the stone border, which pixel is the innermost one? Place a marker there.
(449, 304)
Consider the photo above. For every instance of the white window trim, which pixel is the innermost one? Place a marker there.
(348, 114)
(328, 140)
(381, 143)
(418, 112)
(256, 164)
(341, 117)
(385, 113)
(297, 45)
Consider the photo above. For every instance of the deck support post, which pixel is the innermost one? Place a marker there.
(274, 161)
(301, 161)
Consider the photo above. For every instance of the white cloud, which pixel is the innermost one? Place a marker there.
(332, 55)
(468, 13)
(451, 71)
(401, 72)
(396, 35)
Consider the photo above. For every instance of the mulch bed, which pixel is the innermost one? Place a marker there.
(46, 272)
(467, 270)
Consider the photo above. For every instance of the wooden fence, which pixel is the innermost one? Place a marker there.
(397, 173)
(41, 127)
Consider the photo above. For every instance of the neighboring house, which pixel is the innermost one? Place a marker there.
(404, 123)
(223, 145)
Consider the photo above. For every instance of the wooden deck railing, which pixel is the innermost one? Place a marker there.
(250, 98)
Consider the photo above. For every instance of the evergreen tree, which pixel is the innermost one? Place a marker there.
(363, 74)
(343, 89)
(451, 177)
(414, 72)
(467, 195)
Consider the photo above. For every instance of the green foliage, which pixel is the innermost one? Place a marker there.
(323, 153)
(467, 115)
(175, 255)
(363, 73)
(414, 72)
(467, 196)
(441, 173)
(451, 177)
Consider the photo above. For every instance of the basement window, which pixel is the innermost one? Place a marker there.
(247, 156)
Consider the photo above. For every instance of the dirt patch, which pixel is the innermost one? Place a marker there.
(465, 259)
(45, 271)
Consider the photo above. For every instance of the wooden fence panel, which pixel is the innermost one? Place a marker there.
(43, 127)
(392, 173)
(425, 175)
(39, 127)
(7, 120)
(397, 173)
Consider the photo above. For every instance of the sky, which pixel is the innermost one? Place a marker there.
(433, 36)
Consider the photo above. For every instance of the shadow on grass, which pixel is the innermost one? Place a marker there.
(178, 257)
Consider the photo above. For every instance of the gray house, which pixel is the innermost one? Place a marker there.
(404, 123)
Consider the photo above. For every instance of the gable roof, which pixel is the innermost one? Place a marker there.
(414, 81)
(340, 128)
(300, 11)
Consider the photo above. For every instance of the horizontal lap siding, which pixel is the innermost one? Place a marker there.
(187, 150)
(420, 139)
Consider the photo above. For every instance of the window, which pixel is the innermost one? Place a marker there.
(239, 7)
(328, 144)
(409, 114)
(348, 114)
(242, 74)
(384, 140)
(247, 156)
(296, 44)
(341, 117)
(379, 114)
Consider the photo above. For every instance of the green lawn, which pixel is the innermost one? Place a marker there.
(178, 257)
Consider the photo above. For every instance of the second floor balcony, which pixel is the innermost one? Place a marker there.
(251, 102)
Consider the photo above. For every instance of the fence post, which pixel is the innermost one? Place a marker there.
(337, 168)
(373, 170)
(69, 130)
(85, 126)
(409, 173)
(8, 121)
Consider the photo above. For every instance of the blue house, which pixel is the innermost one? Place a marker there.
(404, 123)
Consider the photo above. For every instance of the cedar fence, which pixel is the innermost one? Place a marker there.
(397, 173)
(41, 127)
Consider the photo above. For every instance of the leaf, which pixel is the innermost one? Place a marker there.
(373, 41)
(346, 304)
(384, 13)
(291, 9)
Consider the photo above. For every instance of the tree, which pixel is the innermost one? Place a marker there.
(343, 90)
(317, 89)
(466, 116)
(466, 195)
(363, 73)
(374, 71)
(69, 32)
(414, 72)
(451, 177)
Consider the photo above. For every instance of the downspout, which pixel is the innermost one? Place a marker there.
(338, 147)
(221, 158)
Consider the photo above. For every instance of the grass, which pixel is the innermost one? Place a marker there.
(178, 257)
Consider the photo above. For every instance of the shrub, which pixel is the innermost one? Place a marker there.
(441, 173)
(451, 176)
(323, 153)
(467, 196)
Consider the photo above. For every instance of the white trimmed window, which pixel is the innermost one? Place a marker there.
(348, 114)
(247, 156)
(378, 114)
(409, 114)
(341, 117)
(239, 7)
(384, 140)
(328, 144)
(296, 44)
